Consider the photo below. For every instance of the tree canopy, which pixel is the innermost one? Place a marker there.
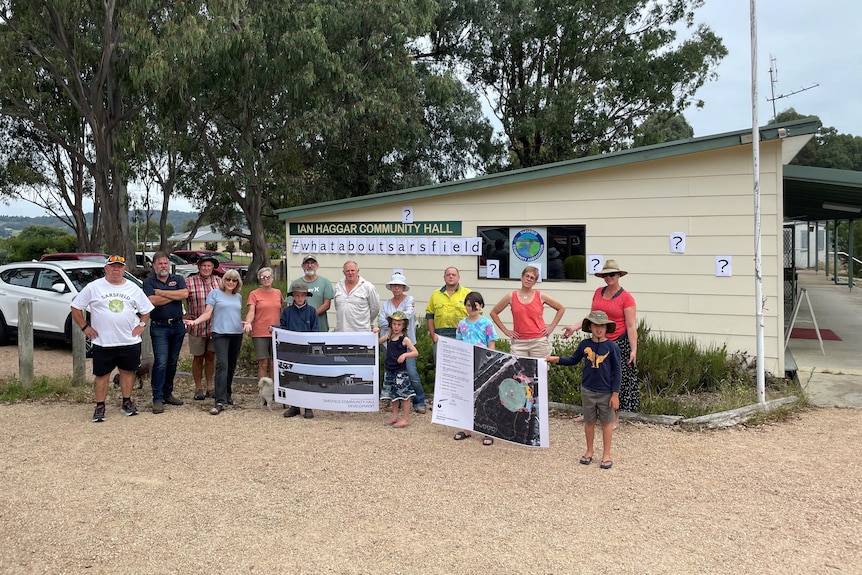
(246, 106)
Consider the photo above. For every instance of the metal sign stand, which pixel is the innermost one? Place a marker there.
(803, 292)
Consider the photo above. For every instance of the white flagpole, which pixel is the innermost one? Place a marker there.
(755, 151)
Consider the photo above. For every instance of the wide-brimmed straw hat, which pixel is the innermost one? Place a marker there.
(600, 318)
(611, 267)
(398, 279)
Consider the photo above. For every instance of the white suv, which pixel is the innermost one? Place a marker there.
(52, 286)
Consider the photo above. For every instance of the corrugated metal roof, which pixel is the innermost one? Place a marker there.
(820, 194)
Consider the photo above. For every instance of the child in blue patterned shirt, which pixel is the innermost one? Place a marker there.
(478, 330)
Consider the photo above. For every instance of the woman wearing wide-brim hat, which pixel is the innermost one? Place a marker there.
(402, 302)
(622, 310)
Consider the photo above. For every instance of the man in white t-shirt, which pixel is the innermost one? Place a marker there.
(119, 311)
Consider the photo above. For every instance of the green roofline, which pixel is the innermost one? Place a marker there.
(823, 176)
(614, 159)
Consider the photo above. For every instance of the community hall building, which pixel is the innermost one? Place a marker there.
(678, 217)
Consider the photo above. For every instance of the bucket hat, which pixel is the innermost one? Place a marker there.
(600, 318)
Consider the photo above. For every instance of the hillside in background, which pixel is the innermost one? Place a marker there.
(12, 225)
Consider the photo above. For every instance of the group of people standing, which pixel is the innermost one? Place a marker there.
(119, 313)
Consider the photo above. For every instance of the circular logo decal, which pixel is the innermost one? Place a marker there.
(528, 245)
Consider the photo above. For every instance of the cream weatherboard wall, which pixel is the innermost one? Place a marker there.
(629, 212)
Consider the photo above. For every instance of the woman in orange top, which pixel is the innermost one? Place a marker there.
(529, 333)
(264, 311)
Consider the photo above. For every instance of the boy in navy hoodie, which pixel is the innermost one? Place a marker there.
(600, 384)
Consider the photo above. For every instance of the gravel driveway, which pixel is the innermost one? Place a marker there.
(251, 492)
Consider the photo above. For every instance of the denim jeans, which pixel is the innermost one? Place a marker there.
(167, 343)
(413, 374)
(227, 346)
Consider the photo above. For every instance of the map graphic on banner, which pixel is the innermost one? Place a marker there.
(491, 392)
(336, 371)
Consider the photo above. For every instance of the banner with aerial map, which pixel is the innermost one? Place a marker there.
(336, 371)
(491, 392)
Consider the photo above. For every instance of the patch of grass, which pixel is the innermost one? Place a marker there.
(44, 388)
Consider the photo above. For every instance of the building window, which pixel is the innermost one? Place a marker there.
(558, 251)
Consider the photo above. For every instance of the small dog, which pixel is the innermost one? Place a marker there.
(143, 372)
(266, 392)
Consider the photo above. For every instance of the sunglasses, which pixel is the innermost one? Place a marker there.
(231, 280)
(116, 260)
(610, 275)
(266, 277)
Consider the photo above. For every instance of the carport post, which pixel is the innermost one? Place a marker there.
(25, 342)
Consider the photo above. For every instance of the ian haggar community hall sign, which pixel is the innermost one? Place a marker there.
(385, 238)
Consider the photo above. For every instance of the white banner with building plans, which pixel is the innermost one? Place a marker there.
(491, 392)
(336, 371)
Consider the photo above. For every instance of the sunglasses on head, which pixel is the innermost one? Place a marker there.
(116, 260)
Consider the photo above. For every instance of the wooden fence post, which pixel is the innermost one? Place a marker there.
(25, 342)
(79, 356)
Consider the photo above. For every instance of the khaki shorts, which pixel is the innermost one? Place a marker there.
(199, 345)
(539, 347)
(596, 406)
(262, 347)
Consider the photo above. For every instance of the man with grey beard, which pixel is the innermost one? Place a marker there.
(166, 291)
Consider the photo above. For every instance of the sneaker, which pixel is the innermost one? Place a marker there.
(171, 400)
(129, 408)
(99, 414)
(292, 412)
(158, 407)
(308, 414)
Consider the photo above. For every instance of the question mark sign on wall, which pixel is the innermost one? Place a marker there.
(493, 269)
(677, 242)
(723, 266)
(407, 215)
(595, 263)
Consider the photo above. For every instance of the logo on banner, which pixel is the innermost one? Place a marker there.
(528, 245)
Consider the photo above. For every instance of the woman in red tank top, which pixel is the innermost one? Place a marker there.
(529, 333)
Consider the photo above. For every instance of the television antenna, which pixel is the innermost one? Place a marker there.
(773, 80)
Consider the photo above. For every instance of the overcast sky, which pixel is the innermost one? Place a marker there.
(813, 42)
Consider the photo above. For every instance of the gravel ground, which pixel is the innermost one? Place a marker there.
(249, 491)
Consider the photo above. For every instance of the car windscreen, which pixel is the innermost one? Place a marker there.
(82, 276)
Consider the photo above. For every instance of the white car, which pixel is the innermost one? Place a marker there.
(52, 286)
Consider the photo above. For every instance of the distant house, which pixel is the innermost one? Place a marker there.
(204, 237)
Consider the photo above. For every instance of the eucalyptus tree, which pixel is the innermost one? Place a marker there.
(305, 102)
(568, 78)
(105, 59)
(39, 171)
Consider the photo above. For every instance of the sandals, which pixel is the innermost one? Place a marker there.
(199, 395)
(217, 409)
(488, 440)
(606, 464)
(586, 460)
(461, 435)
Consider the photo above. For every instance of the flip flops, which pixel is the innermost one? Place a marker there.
(487, 441)
(461, 435)
(606, 464)
(585, 460)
